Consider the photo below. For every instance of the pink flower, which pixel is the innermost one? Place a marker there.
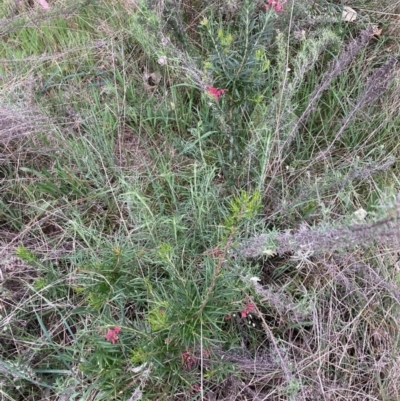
(44, 4)
(249, 307)
(215, 92)
(276, 5)
(112, 334)
(188, 360)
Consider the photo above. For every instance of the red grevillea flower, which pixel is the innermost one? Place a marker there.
(249, 308)
(276, 5)
(112, 334)
(215, 92)
(188, 360)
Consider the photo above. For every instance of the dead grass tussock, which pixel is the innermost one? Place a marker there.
(17, 124)
(337, 334)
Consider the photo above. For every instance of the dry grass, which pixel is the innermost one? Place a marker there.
(118, 210)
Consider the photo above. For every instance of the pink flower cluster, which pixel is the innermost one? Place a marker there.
(276, 5)
(44, 4)
(249, 308)
(112, 334)
(188, 360)
(215, 92)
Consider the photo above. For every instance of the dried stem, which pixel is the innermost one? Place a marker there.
(336, 68)
(375, 87)
(320, 240)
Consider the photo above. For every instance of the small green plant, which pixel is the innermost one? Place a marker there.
(237, 61)
(25, 254)
(243, 208)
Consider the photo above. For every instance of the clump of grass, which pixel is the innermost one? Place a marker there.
(184, 193)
